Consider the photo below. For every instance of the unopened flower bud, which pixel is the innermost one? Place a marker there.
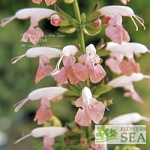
(97, 22)
(56, 20)
(68, 1)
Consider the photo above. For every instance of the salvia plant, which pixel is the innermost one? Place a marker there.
(79, 72)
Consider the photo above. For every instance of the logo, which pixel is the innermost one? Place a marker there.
(120, 134)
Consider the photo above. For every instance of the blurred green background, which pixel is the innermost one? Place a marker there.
(16, 81)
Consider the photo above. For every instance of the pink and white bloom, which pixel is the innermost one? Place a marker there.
(44, 95)
(116, 62)
(126, 82)
(66, 73)
(48, 134)
(90, 109)
(44, 54)
(115, 30)
(35, 14)
(112, 11)
(92, 68)
(128, 119)
(48, 2)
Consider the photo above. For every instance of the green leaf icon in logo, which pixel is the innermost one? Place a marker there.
(102, 132)
(113, 133)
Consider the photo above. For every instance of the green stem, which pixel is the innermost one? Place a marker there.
(77, 10)
(80, 31)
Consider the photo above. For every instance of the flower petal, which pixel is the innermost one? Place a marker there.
(134, 95)
(37, 1)
(61, 77)
(43, 114)
(96, 112)
(128, 67)
(50, 2)
(32, 34)
(96, 73)
(117, 34)
(79, 102)
(42, 72)
(80, 71)
(82, 118)
(113, 65)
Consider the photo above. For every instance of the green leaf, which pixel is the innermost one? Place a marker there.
(72, 93)
(68, 1)
(74, 22)
(91, 30)
(68, 29)
(54, 121)
(101, 89)
(103, 52)
(94, 14)
(83, 17)
(62, 14)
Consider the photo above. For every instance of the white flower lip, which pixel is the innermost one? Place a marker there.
(129, 118)
(38, 13)
(43, 131)
(37, 51)
(47, 92)
(127, 49)
(70, 49)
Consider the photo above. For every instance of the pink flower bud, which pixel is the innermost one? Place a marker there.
(97, 23)
(56, 20)
(124, 1)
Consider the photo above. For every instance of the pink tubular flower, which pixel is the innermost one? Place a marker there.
(126, 83)
(128, 119)
(66, 72)
(45, 95)
(44, 54)
(48, 2)
(48, 134)
(92, 110)
(92, 68)
(116, 62)
(35, 14)
(115, 30)
(112, 11)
